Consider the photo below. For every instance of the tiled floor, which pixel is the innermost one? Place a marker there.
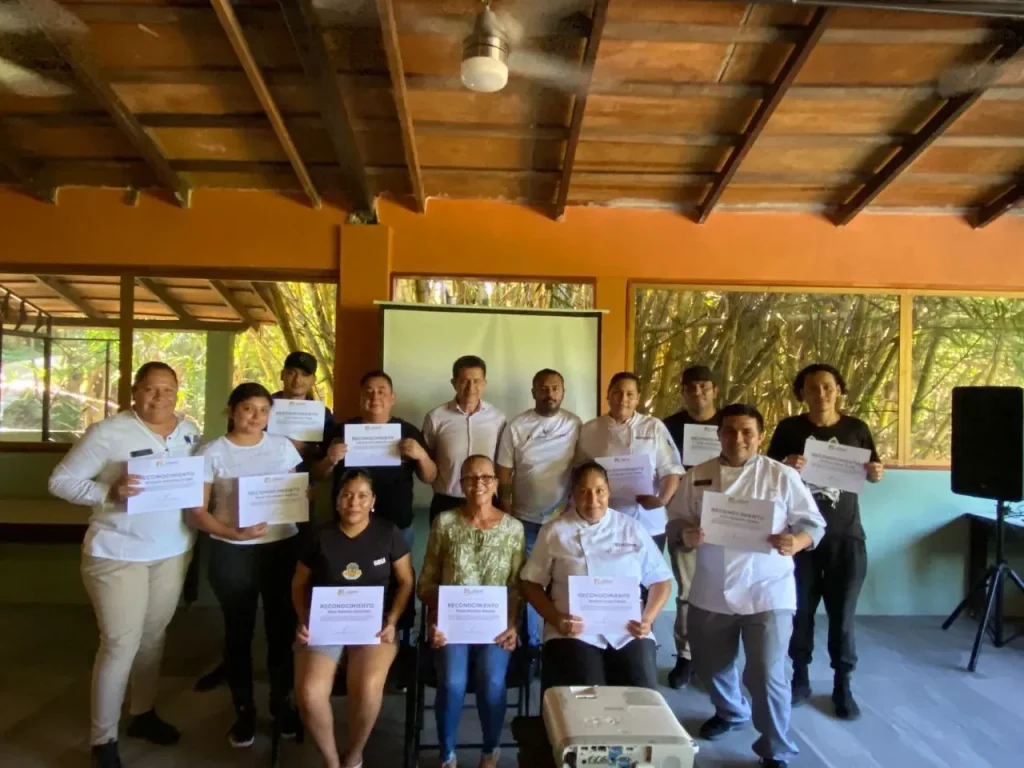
(921, 708)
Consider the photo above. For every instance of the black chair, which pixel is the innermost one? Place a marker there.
(521, 672)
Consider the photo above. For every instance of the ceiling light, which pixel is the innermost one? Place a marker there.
(485, 63)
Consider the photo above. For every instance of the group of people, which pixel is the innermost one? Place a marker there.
(522, 503)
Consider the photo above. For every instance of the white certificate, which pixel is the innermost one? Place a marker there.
(301, 420)
(168, 485)
(346, 615)
(472, 615)
(373, 445)
(629, 476)
(737, 523)
(273, 499)
(831, 465)
(700, 444)
(605, 603)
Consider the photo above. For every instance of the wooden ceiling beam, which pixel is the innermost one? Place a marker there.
(915, 146)
(265, 299)
(776, 93)
(389, 30)
(668, 32)
(164, 296)
(71, 49)
(310, 42)
(232, 301)
(71, 295)
(236, 36)
(1006, 202)
(599, 18)
(152, 325)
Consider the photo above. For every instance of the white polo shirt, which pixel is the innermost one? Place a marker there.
(452, 436)
(641, 435)
(616, 545)
(226, 462)
(539, 450)
(97, 461)
(731, 581)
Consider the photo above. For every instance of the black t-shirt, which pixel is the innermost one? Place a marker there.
(393, 486)
(840, 509)
(335, 560)
(676, 424)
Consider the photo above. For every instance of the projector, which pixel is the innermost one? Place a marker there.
(616, 727)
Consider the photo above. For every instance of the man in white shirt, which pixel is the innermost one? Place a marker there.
(739, 595)
(535, 457)
(462, 427)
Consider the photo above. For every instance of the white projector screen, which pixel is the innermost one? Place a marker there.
(421, 343)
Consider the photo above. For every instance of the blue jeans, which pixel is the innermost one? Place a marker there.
(534, 623)
(489, 665)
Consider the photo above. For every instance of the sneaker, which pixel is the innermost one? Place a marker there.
(150, 727)
(771, 762)
(680, 675)
(286, 722)
(717, 727)
(106, 755)
(801, 684)
(243, 732)
(842, 698)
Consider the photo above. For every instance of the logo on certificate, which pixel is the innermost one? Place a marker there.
(352, 571)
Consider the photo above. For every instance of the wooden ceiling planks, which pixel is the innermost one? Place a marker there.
(676, 84)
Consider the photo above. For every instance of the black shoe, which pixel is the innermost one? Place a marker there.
(771, 762)
(106, 755)
(150, 727)
(717, 727)
(243, 732)
(801, 684)
(212, 679)
(286, 721)
(842, 698)
(680, 675)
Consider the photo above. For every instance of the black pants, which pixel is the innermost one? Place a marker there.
(240, 575)
(441, 503)
(833, 571)
(566, 661)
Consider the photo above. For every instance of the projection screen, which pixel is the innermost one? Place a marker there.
(422, 342)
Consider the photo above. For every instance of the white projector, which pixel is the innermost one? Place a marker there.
(615, 727)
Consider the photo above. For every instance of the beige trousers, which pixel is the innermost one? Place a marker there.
(134, 603)
(684, 563)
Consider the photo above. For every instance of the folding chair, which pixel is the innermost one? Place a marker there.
(520, 675)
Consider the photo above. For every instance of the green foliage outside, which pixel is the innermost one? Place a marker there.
(484, 293)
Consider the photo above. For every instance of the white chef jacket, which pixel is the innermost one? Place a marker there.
(730, 581)
(641, 435)
(616, 545)
(452, 436)
(539, 450)
(97, 461)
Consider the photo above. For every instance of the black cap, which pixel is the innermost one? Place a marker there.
(698, 373)
(304, 361)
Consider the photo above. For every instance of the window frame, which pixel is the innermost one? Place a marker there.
(904, 368)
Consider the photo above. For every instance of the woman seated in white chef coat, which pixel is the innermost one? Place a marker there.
(594, 540)
(624, 432)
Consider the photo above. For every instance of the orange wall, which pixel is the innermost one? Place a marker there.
(92, 230)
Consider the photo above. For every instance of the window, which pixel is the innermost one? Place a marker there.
(82, 368)
(756, 342)
(959, 341)
(487, 293)
(306, 315)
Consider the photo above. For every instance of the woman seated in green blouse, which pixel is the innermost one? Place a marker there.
(475, 545)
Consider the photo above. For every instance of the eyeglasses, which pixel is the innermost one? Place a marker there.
(482, 479)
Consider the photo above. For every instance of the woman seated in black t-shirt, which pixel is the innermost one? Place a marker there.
(359, 550)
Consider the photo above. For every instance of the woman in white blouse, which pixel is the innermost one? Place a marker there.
(247, 564)
(624, 432)
(133, 565)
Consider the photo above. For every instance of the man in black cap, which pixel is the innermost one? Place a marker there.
(699, 393)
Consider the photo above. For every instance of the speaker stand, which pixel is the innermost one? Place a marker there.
(991, 585)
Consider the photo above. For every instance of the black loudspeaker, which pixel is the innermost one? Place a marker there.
(988, 442)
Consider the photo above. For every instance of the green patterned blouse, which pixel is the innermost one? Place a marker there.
(461, 555)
